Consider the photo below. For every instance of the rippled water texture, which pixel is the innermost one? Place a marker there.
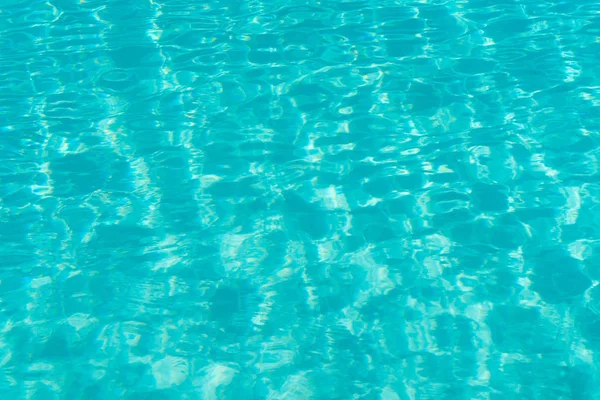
(267, 199)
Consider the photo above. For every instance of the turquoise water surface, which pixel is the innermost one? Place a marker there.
(271, 199)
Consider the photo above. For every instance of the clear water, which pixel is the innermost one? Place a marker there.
(266, 199)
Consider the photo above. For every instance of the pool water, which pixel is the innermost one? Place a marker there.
(266, 199)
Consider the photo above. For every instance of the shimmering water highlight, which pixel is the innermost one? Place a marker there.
(276, 200)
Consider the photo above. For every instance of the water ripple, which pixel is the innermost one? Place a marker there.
(249, 199)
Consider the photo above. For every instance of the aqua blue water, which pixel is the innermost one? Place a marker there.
(267, 199)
